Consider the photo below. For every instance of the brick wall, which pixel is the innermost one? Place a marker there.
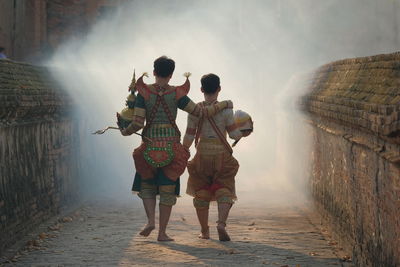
(39, 149)
(354, 107)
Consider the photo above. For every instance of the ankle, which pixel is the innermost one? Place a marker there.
(162, 232)
(205, 230)
(162, 235)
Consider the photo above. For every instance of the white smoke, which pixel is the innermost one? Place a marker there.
(256, 47)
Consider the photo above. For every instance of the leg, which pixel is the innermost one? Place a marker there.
(167, 200)
(148, 195)
(223, 212)
(150, 208)
(165, 212)
(202, 208)
(225, 202)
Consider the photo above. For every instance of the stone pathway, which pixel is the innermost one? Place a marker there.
(100, 234)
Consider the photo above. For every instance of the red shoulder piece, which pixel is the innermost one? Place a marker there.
(142, 88)
(183, 89)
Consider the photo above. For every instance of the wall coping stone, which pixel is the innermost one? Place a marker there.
(363, 92)
(29, 93)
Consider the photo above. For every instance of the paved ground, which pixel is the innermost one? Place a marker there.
(101, 234)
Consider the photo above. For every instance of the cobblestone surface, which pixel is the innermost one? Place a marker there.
(106, 234)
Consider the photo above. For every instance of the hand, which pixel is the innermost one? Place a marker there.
(246, 132)
(229, 104)
(123, 132)
(186, 149)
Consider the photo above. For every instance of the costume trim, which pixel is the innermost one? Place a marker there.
(167, 195)
(153, 90)
(161, 132)
(147, 191)
(225, 199)
(201, 204)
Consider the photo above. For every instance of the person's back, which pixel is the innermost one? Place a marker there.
(212, 170)
(208, 140)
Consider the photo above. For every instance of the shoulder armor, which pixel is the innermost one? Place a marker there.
(183, 89)
(142, 88)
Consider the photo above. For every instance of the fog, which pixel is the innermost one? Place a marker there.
(260, 49)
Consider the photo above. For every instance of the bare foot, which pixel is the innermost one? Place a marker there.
(164, 237)
(205, 234)
(147, 230)
(222, 234)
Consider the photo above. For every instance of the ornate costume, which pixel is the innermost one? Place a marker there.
(212, 170)
(161, 159)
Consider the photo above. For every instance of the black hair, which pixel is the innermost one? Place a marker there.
(164, 67)
(1, 49)
(210, 83)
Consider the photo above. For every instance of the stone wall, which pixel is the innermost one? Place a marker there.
(354, 107)
(39, 149)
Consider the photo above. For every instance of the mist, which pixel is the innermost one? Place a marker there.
(260, 49)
